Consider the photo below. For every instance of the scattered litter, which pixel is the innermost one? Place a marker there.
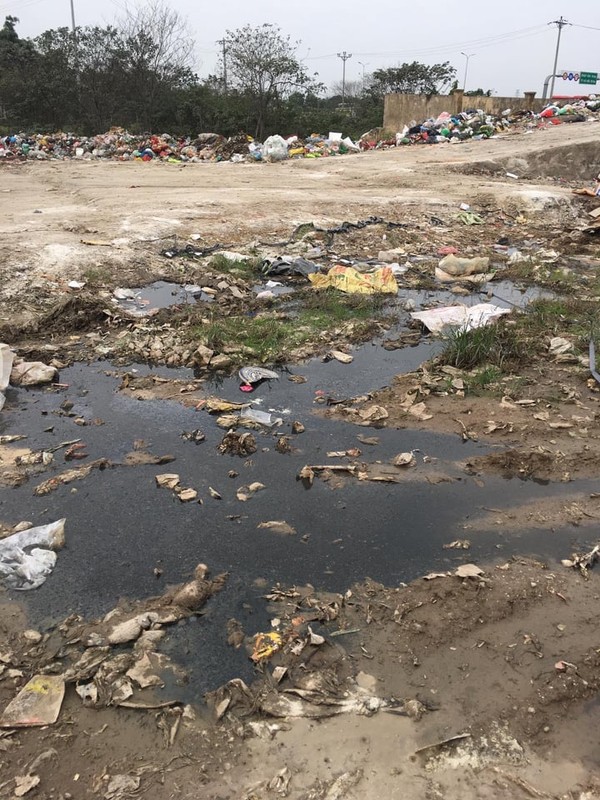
(25, 783)
(284, 265)
(373, 414)
(253, 417)
(187, 495)
(277, 526)
(70, 475)
(168, 480)
(343, 358)
(559, 346)
(244, 493)
(443, 743)
(38, 703)
(7, 358)
(120, 787)
(462, 317)
(458, 544)
(592, 354)
(214, 405)
(214, 494)
(239, 444)
(468, 571)
(583, 562)
(349, 280)
(32, 373)
(27, 558)
(405, 460)
(297, 427)
(251, 375)
(266, 645)
(195, 436)
(564, 666)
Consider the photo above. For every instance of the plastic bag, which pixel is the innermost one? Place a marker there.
(6, 362)
(28, 557)
(275, 149)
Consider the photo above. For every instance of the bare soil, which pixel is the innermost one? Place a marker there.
(507, 660)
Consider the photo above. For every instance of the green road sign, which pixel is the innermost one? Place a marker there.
(588, 78)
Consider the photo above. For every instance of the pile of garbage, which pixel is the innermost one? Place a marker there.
(120, 145)
(475, 124)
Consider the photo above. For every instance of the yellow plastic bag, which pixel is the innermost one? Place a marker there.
(349, 280)
(266, 645)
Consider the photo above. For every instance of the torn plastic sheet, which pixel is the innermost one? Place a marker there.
(595, 375)
(6, 363)
(463, 317)
(28, 557)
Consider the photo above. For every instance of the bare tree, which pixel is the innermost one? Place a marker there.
(160, 49)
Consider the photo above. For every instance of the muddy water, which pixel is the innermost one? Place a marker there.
(120, 526)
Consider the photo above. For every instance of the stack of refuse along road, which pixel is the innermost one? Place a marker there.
(476, 124)
(120, 145)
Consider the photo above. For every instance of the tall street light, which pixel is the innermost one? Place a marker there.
(467, 57)
(344, 56)
(363, 72)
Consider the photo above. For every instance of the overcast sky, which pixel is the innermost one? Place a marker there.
(510, 42)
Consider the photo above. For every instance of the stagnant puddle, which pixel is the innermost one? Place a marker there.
(120, 526)
(147, 300)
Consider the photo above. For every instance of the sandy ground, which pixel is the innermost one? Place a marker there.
(47, 209)
(508, 658)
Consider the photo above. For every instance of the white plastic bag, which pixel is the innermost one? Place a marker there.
(27, 557)
(275, 148)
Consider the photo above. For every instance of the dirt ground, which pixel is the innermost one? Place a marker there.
(473, 685)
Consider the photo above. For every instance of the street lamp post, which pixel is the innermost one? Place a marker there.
(363, 73)
(467, 57)
(344, 56)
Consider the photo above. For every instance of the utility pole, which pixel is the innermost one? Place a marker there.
(223, 44)
(73, 17)
(467, 56)
(363, 73)
(344, 56)
(560, 24)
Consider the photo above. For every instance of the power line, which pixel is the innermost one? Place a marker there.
(452, 47)
(587, 27)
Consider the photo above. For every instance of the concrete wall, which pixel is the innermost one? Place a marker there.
(402, 109)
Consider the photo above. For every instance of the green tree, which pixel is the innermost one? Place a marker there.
(262, 65)
(414, 78)
(16, 58)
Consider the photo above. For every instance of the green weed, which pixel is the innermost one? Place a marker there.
(491, 346)
(243, 267)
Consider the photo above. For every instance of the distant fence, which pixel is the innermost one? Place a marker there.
(402, 109)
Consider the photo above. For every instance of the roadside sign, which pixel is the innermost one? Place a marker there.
(588, 78)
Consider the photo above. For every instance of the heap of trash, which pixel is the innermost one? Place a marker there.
(120, 145)
(476, 124)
